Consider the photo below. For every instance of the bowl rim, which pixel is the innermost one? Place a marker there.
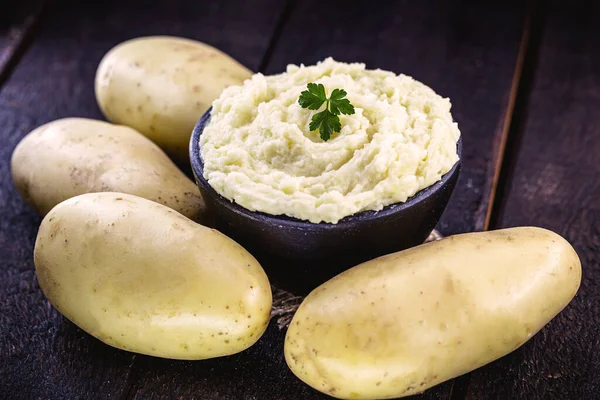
(284, 220)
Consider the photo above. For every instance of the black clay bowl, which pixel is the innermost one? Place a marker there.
(298, 254)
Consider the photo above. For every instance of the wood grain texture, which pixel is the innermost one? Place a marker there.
(465, 51)
(555, 183)
(43, 356)
(17, 21)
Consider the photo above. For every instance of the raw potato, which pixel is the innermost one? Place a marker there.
(73, 156)
(162, 85)
(141, 277)
(402, 323)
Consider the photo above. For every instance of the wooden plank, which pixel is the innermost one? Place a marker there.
(554, 182)
(17, 22)
(42, 354)
(462, 49)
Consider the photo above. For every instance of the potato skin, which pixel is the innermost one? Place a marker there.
(72, 156)
(141, 277)
(161, 86)
(402, 323)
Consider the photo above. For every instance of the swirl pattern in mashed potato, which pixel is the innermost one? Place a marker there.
(259, 152)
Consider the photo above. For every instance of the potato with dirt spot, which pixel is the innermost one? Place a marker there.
(144, 278)
(161, 86)
(402, 323)
(74, 156)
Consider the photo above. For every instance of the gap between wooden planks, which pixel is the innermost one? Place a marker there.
(554, 171)
(506, 130)
(22, 22)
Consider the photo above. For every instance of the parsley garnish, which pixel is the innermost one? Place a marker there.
(327, 121)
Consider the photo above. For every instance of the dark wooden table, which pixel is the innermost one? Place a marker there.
(524, 80)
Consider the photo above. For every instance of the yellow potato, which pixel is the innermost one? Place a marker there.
(141, 277)
(162, 85)
(399, 324)
(73, 156)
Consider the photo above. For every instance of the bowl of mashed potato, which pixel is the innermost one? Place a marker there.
(307, 205)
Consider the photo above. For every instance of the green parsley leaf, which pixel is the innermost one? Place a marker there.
(327, 121)
(318, 89)
(341, 106)
(338, 94)
(314, 97)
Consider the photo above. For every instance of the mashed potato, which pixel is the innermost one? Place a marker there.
(259, 151)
